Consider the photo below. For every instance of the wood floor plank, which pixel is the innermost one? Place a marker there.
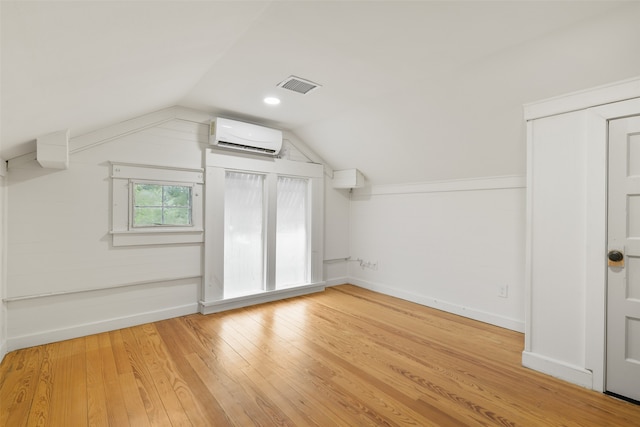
(313, 371)
(278, 378)
(116, 409)
(18, 387)
(39, 413)
(68, 383)
(299, 379)
(146, 388)
(396, 368)
(343, 357)
(170, 400)
(136, 411)
(175, 338)
(238, 411)
(97, 414)
(371, 363)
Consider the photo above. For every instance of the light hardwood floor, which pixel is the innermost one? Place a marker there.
(344, 357)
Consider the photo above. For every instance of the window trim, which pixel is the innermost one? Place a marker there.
(217, 164)
(122, 231)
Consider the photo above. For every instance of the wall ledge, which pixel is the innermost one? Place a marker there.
(472, 184)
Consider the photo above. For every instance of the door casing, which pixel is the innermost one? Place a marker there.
(596, 249)
(597, 106)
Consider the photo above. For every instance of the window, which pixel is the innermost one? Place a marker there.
(158, 205)
(243, 233)
(292, 230)
(264, 228)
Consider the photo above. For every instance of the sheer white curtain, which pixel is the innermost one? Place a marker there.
(292, 256)
(243, 234)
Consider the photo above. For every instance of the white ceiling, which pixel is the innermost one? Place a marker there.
(411, 91)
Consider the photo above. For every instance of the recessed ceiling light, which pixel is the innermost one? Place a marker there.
(271, 100)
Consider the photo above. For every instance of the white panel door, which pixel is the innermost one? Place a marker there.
(623, 287)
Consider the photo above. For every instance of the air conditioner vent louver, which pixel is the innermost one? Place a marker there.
(246, 147)
(299, 85)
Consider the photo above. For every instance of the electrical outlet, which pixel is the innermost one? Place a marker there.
(503, 291)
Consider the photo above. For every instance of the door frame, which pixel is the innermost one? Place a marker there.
(601, 104)
(596, 248)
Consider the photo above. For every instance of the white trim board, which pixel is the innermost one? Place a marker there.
(137, 124)
(474, 184)
(92, 139)
(154, 282)
(580, 100)
(338, 281)
(51, 318)
(558, 369)
(307, 151)
(85, 329)
(482, 316)
(210, 307)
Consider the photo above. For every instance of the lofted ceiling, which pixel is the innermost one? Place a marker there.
(411, 91)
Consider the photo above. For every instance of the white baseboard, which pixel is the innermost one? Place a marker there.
(558, 369)
(337, 281)
(45, 337)
(482, 316)
(210, 307)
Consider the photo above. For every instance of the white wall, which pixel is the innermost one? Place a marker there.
(66, 279)
(336, 228)
(449, 245)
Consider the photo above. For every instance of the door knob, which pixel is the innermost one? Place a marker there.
(615, 256)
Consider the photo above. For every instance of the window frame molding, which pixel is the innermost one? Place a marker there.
(218, 164)
(123, 175)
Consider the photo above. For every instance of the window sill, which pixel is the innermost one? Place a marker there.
(155, 236)
(209, 307)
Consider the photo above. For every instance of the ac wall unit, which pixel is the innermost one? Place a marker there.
(235, 135)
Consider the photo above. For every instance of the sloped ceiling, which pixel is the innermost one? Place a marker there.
(411, 91)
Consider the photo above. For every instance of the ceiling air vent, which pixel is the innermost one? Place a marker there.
(299, 85)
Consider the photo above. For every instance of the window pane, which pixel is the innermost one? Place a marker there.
(161, 205)
(148, 194)
(243, 234)
(291, 232)
(177, 195)
(177, 216)
(145, 217)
